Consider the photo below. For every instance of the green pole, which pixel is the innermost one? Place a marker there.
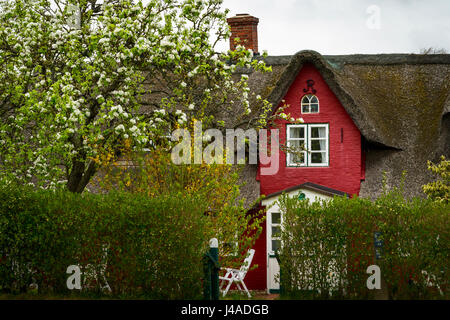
(207, 278)
(214, 252)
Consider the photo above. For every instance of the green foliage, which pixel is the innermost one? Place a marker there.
(72, 80)
(153, 174)
(439, 190)
(328, 245)
(155, 245)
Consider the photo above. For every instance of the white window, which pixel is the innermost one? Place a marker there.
(296, 138)
(313, 138)
(275, 231)
(310, 104)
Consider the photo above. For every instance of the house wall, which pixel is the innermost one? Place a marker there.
(345, 170)
(256, 278)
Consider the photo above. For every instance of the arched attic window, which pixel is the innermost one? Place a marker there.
(310, 104)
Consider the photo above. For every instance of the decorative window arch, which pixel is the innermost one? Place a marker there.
(310, 104)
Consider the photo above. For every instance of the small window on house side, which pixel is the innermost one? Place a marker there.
(310, 104)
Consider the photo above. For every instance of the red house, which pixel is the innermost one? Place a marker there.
(334, 164)
(363, 116)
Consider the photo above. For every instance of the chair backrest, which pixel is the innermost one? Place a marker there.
(247, 262)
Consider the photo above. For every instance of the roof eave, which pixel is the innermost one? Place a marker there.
(312, 187)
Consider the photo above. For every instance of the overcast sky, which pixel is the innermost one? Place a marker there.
(347, 26)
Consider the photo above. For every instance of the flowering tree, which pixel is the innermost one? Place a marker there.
(72, 75)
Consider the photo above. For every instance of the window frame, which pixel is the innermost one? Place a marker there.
(308, 126)
(276, 225)
(309, 97)
(289, 139)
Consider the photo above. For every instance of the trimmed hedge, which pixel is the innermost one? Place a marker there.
(154, 245)
(327, 247)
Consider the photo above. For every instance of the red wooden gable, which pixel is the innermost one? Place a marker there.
(345, 168)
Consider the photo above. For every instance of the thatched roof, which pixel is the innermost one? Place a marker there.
(399, 102)
(391, 98)
(386, 95)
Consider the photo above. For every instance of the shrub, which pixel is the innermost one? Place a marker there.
(439, 190)
(328, 245)
(153, 174)
(155, 245)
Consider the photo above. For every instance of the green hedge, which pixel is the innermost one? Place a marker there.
(327, 247)
(155, 245)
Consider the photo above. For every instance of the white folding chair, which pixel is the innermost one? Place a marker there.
(237, 276)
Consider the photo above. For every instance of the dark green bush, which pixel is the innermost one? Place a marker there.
(328, 246)
(154, 245)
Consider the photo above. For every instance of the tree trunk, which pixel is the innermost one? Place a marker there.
(79, 177)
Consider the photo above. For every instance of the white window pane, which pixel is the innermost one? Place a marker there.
(296, 132)
(318, 145)
(305, 99)
(297, 144)
(314, 99)
(305, 107)
(276, 232)
(276, 245)
(318, 157)
(276, 218)
(318, 132)
(296, 156)
(323, 145)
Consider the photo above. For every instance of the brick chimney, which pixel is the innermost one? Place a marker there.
(244, 27)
